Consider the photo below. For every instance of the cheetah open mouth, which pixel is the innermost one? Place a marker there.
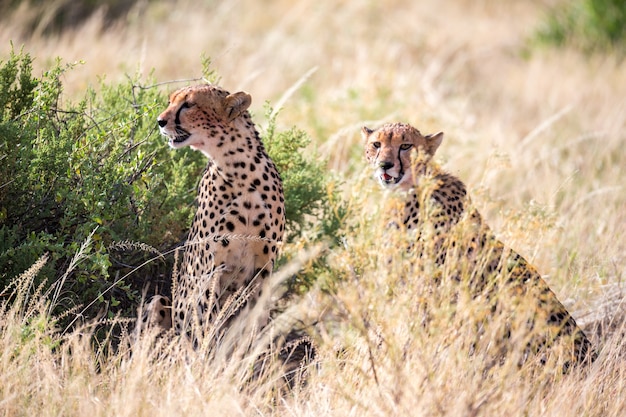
(387, 179)
(180, 135)
(180, 138)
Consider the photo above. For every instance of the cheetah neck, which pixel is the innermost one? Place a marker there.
(239, 170)
(234, 153)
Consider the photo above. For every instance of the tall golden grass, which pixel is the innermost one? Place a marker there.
(536, 134)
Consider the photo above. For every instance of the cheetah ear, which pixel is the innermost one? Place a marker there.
(365, 132)
(235, 104)
(433, 141)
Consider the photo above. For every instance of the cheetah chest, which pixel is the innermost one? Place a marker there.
(236, 231)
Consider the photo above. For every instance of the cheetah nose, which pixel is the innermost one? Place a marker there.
(162, 122)
(386, 165)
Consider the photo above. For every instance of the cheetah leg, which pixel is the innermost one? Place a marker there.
(157, 313)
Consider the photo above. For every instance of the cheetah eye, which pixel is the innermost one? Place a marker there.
(376, 145)
(406, 146)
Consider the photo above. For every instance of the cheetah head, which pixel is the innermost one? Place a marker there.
(195, 115)
(388, 150)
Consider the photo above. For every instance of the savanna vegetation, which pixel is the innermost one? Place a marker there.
(94, 205)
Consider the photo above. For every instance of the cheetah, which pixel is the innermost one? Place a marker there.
(240, 219)
(439, 200)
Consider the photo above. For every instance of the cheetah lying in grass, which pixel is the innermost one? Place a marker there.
(439, 200)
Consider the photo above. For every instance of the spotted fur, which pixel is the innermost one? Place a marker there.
(157, 313)
(239, 223)
(439, 200)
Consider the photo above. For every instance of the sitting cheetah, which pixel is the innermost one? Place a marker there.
(239, 222)
(440, 200)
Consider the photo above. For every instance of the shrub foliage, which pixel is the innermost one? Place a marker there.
(588, 24)
(98, 168)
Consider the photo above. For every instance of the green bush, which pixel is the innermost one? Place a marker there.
(98, 168)
(306, 182)
(313, 208)
(98, 165)
(588, 24)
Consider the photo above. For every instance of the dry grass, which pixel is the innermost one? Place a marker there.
(538, 138)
